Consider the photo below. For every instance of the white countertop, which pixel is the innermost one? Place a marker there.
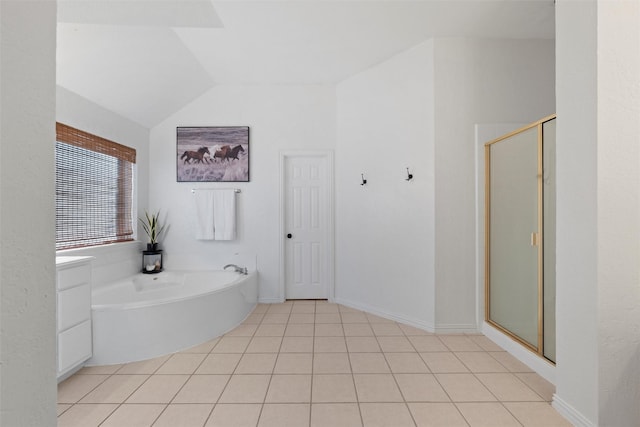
(69, 260)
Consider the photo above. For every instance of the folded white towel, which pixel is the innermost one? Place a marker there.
(204, 214)
(224, 214)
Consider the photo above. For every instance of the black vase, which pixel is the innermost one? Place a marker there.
(152, 246)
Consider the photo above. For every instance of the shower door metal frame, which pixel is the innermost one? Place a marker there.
(537, 237)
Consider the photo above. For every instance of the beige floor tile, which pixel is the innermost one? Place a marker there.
(181, 363)
(76, 387)
(441, 362)
(244, 330)
(508, 388)
(327, 307)
(357, 329)
(362, 344)
(331, 363)
(354, 317)
(329, 330)
(222, 363)
(386, 415)
(412, 330)
(436, 415)
(510, 362)
(376, 388)
(278, 318)
(328, 318)
(158, 389)
(426, 343)
(487, 415)
(231, 345)
(420, 388)
(280, 308)
(485, 343)
(386, 329)
(532, 414)
(372, 318)
(464, 388)
(480, 361)
(264, 345)
(234, 415)
(184, 415)
(284, 415)
(99, 370)
(134, 415)
(395, 344)
(261, 308)
(303, 309)
(289, 389)
(459, 343)
(299, 330)
(143, 367)
(207, 346)
(270, 330)
(256, 363)
(329, 345)
(345, 309)
(406, 363)
(253, 318)
(61, 407)
(335, 415)
(86, 415)
(538, 384)
(246, 389)
(202, 389)
(297, 345)
(333, 388)
(294, 363)
(304, 318)
(369, 363)
(116, 389)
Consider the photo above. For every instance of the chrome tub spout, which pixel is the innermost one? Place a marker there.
(241, 270)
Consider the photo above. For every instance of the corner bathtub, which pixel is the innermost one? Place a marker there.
(149, 315)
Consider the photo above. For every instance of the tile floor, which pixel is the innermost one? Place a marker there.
(313, 363)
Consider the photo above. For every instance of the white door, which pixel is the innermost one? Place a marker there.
(307, 205)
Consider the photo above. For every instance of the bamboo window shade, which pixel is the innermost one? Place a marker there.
(94, 189)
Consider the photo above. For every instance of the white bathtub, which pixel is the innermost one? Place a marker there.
(149, 315)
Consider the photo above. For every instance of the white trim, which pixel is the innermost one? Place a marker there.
(570, 413)
(541, 366)
(328, 156)
(387, 315)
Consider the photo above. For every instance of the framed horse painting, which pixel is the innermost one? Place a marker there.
(212, 154)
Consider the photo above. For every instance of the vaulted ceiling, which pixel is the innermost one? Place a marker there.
(145, 59)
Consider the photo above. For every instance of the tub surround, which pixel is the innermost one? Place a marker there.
(147, 316)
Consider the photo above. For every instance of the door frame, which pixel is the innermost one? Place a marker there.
(328, 156)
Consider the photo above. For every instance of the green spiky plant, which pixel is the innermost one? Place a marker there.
(151, 226)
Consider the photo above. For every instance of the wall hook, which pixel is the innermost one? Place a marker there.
(364, 181)
(409, 175)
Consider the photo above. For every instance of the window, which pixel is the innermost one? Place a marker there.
(94, 189)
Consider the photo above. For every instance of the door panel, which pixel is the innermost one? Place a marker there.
(306, 220)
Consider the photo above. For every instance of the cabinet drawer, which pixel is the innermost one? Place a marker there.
(74, 346)
(73, 276)
(74, 306)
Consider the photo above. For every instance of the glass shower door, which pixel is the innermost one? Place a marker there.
(514, 237)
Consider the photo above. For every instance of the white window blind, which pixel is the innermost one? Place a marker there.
(94, 188)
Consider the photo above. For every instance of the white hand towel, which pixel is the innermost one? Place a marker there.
(224, 214)
(204, 202)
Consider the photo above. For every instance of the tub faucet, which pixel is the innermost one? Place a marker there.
(241, 270)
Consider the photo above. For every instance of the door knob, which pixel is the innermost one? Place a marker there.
(289, 236)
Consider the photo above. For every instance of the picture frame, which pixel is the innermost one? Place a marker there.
(212, 154)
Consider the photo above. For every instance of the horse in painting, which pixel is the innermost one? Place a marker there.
(198, 156)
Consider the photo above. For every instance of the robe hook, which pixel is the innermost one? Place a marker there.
(364, 181)
(409, 175)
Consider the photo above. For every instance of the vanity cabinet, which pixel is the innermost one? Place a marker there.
(73, 298)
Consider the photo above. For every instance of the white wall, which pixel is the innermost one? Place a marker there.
(476, 81)
(384, 230)
(280, 118)
(116, 261)
(27, 270)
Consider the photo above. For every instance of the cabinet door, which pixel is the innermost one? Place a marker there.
(74, 346)
(74, 306)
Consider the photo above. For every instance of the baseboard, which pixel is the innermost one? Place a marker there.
(541, 366)
(456, 328)
(570, 413)
(270, 300)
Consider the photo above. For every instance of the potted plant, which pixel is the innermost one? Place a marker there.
(151, 226)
